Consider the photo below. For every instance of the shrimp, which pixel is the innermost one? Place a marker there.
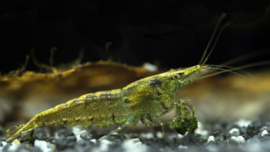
(145, 99)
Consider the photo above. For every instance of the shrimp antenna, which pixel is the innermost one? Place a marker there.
(245, 57)
(205, 51)
(223, 27)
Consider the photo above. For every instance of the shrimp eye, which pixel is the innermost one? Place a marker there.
(175, 76)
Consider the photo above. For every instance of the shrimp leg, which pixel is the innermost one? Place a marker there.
(186, 121)
(118, 129)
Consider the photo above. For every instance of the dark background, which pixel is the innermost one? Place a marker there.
(168, 33)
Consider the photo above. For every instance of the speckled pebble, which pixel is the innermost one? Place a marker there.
(12, 147)
(27, 148)
(238, 139)
(76, 130)
(41, 133)
(16, 142)
(159, 134)
(44, 146)
(181, 147)
(93, 141)
(71, 139)
(148, 135)
(4, 143)
(220, 138)
(64, 132)
(85, 136)
(234, 132)
(83, 142)
(117, 138)
(104, 145)
(78, 136)
(65, 142)
(134, 145)
(264, 133)
(136, 141)
(243, 123)
(251, 130)
(211, 138)
(211, 147)
(203, 133)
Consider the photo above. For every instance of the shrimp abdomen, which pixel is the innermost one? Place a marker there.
(99, 109)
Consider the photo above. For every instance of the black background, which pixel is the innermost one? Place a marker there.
(169, 33)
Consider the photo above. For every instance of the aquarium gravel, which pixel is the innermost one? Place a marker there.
(240, 136)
